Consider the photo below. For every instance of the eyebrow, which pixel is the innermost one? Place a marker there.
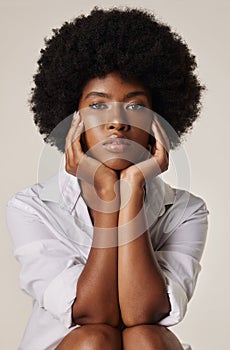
(103, 94)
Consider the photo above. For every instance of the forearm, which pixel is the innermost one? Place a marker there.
(97, 290)
(141, 285)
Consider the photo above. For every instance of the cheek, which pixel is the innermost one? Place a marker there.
(144, 138)
(141, 122)
(90, 138)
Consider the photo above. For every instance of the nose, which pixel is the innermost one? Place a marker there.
(117, 119)
(117, 126)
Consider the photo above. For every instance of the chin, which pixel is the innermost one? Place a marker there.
(117, 164)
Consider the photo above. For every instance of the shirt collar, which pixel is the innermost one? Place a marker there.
(64, 188)
(158, 195)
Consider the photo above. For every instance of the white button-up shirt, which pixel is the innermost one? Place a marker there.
(52, 236)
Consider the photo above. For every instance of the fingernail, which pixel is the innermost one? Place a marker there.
(76, 115)
(154, 124)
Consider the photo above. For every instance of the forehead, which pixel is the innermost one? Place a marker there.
(113, 85)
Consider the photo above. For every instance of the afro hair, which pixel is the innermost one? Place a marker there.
(129, 41)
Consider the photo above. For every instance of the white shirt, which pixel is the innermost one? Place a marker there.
(52, 236)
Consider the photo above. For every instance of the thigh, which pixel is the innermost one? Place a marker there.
(94, 336)
(150, 337)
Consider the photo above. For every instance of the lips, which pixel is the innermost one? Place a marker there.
(116, 144)
(116, 141)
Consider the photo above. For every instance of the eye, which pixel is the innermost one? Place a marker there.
(98, 106)
(135, 106)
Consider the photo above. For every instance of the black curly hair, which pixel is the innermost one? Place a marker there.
(130, 41)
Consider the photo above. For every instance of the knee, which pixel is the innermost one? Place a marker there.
(142, 332)
(150, 337)
(95, 337)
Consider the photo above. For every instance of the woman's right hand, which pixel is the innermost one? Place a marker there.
(99, 183)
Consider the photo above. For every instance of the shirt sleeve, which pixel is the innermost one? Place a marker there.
(49, 268)
(179, 259)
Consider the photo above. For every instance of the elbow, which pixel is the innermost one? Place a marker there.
(84, 319)
(142, 319)
(82, 315)
(148, 313)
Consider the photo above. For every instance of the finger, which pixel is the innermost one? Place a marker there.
(161, 135)
(159, 143)
(76, 117)
(75, 121)
(160, 153)
(74, 152)
(78, 130)
(68, 141)
(74, 124)
(76, 140)
(165, 136)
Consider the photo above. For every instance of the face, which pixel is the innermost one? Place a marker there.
(117, 118)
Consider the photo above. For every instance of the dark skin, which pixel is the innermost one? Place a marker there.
(114, 289)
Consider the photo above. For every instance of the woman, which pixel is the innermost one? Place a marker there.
(109, 252)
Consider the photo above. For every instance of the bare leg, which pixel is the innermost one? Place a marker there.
(92, 337)
(150, 337)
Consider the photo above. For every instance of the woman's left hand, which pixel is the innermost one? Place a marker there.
(140, 173)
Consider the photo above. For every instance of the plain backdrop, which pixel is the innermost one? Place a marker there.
(204, 25)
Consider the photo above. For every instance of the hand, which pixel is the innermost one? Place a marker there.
(140, 173)
(97, 180)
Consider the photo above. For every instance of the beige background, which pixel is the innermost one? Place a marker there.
(205, 27)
